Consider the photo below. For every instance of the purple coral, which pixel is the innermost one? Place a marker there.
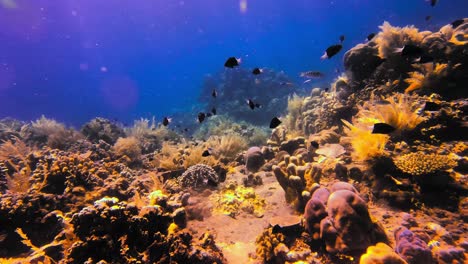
(410, 247)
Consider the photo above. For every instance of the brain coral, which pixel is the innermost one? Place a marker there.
(420, 163)
(198, 175)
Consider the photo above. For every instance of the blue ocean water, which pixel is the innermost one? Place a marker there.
(73, 60)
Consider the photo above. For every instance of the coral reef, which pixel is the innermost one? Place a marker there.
(198, 176)
(345, 223)
(420, 163)
(102, 129)
(235, 199)
(254, 159)
(381, 253)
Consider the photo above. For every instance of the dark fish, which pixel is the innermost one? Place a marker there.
(326, 89)
(286, 83)
(342, 38)
(457, 23)
(231, 62)
(431, 106)
(331, 51)
(410, 50)
(424, 59)
(209, 114)
(382, 128)
(214, 94)
(201, 117)
(252, 105)
(370, 36)
(213, 111)
(433, 2)
(185, 129)
(314, 144)
(257, 71)
(206, 153)
(312, 74)
(275, 122)
(166, 121)
(428, 18)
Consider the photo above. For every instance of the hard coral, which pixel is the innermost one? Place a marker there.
(267, 243)
(102, 129)
(235, 199)
(420, 163)
(198, 176)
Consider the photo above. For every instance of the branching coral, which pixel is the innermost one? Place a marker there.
(420, 163)
(426, 76)
(392, 37)
(199, 175)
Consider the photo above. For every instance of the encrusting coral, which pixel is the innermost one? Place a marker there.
(420, 163)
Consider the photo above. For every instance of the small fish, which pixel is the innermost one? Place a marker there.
(312, 74)
(214, 94)
(427, 18)
(457, 23)
(286, 83)
(201, 117)
(308, 80)
(410, 50)
(213, 111)
(382, 128)
(186, 129)
(206, 153)
(252, 105)
(331, 51)
(431, 106)
(424, 59)
(166, 121)
(257, 71)
(232, 62)
(275, 122)
(433, 2)
(314, 144)
(342, 38)
(370, 36)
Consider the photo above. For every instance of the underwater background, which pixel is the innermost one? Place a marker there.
(234, 131)
(74, 60)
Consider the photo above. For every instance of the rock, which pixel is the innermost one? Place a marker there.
(341, 172)
(411, 248)
(291, 145)
(254, 159)
(348, 227)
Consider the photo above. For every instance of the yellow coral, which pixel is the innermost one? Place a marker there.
(381, 254)
(392, 37)
(401, 112)
(425, 76)
(420, 163)
(266, 244)
(365, 144)
(235, 199)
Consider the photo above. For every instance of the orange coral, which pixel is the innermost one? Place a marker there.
(365, 144)
(425, 75)
(392, 37)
